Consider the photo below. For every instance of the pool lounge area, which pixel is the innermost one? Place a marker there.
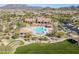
(37, 30)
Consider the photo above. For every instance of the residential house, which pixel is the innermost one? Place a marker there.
(39, 21)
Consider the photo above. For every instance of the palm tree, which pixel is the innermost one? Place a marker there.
(28, 36)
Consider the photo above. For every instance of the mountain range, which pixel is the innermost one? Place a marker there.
(19, 6)
(25, 6)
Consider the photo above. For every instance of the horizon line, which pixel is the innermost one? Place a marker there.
(47, 5)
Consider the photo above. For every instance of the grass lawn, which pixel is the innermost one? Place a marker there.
(64, 47)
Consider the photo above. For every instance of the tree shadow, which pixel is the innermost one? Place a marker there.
(72, 41)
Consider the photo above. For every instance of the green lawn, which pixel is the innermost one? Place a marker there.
(64, 47)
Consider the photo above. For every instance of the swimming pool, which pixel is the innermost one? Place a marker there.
(39, 30)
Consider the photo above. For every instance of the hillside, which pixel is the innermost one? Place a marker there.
(19, 6)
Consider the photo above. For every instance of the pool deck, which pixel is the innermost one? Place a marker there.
(34, 32)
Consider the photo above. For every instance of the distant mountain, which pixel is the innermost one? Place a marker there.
(19, 6)
(25, 6)
(70, 8)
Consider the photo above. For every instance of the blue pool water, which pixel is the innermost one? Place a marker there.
(39, 30)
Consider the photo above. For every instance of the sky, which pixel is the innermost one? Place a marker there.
(50, 5)
(55, 5)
